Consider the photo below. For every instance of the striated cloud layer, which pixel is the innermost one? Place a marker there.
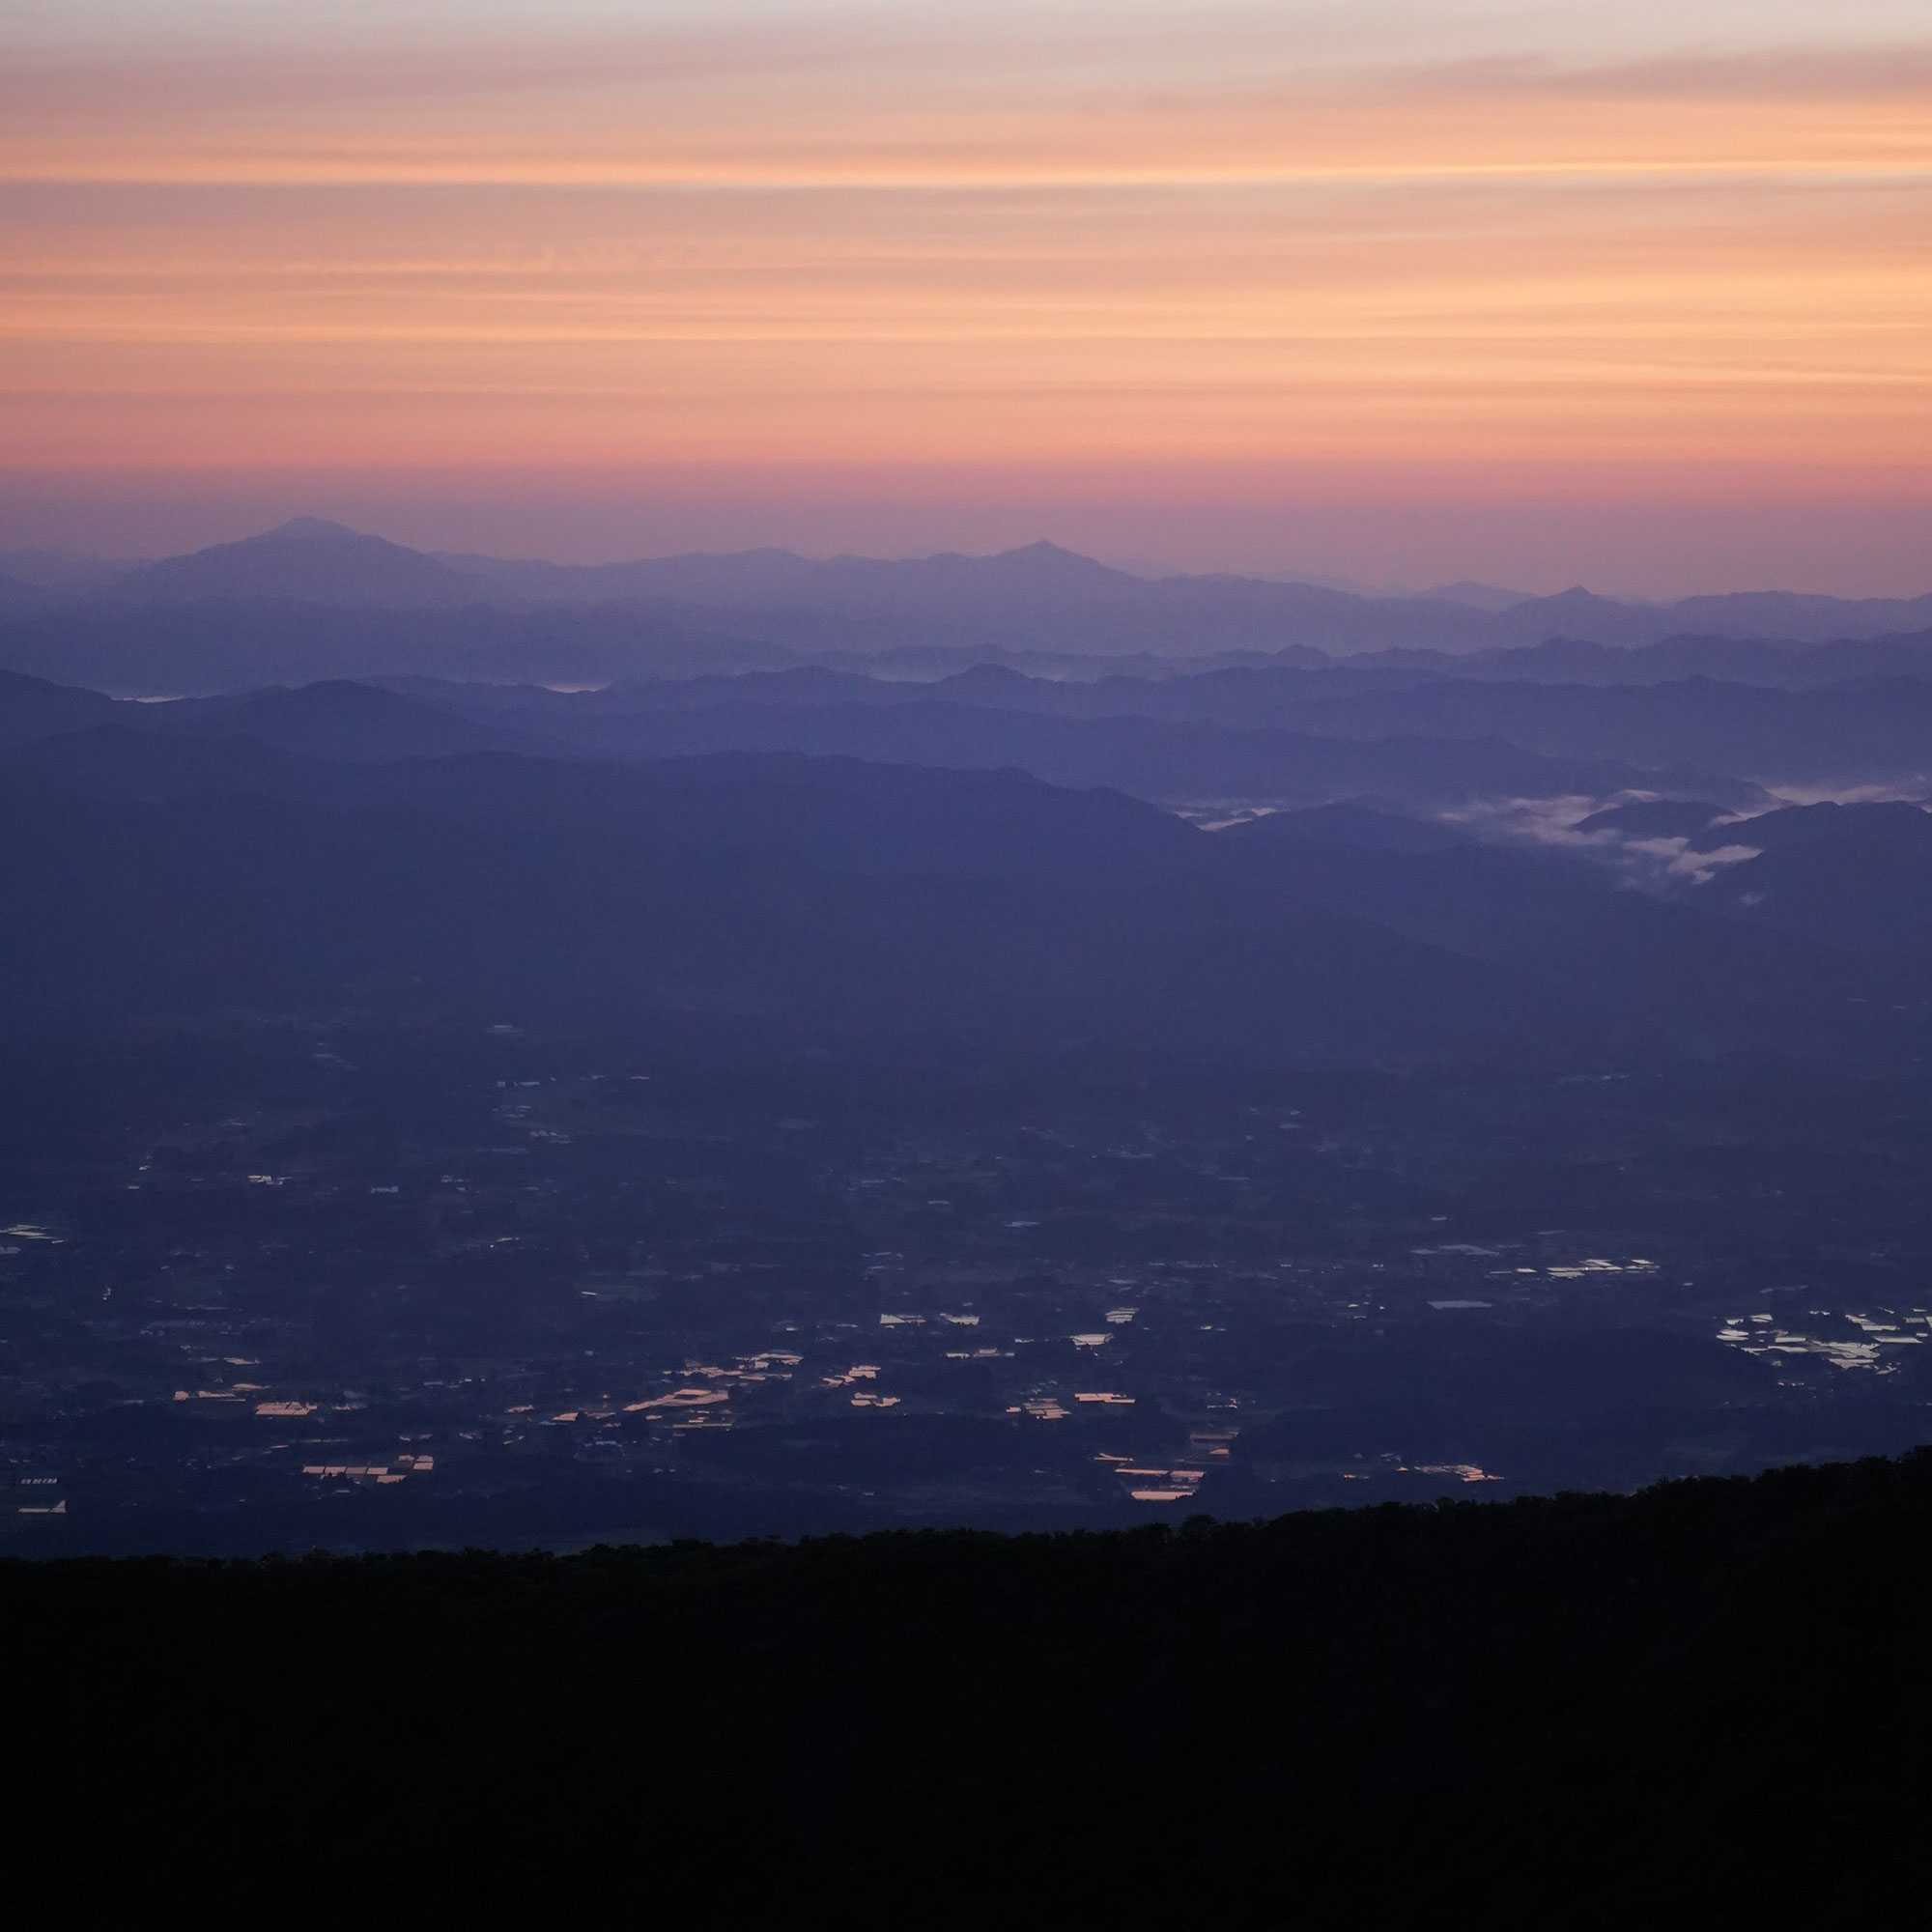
(1237, 262)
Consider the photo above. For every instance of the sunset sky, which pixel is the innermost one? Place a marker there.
(1639, 295)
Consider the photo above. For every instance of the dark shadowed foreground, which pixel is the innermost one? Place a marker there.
(1700, 1702)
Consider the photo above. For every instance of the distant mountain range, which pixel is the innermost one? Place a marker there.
(1862, 730)
(1178, 760)
(1280, 735)
(1039, 599)
(766, 902)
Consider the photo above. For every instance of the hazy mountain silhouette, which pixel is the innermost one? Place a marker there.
(1478, 596)
(1039, 596)
(307, 560)
(782, 904)
(1180, 762)
(1183, 761)
(1046, 596)
(1857, 733)
(206, 647)
(1738, 659)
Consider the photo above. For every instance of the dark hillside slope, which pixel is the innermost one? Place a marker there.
(335, 719)
(791, 905)
(1179, 760)
(30, 707)
(1697, 1704)
(824, 932)
(118, 762)
(836, 812)
(1857, 876)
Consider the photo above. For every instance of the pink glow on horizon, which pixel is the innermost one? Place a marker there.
(1406, 292)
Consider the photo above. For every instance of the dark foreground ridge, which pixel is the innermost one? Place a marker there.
(1704, 1701)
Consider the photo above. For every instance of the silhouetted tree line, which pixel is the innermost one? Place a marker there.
(1707, 1701)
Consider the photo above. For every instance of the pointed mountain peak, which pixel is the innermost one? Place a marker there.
(1047, 551)
(307, 560)
(312, 529)
(1576, 598)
